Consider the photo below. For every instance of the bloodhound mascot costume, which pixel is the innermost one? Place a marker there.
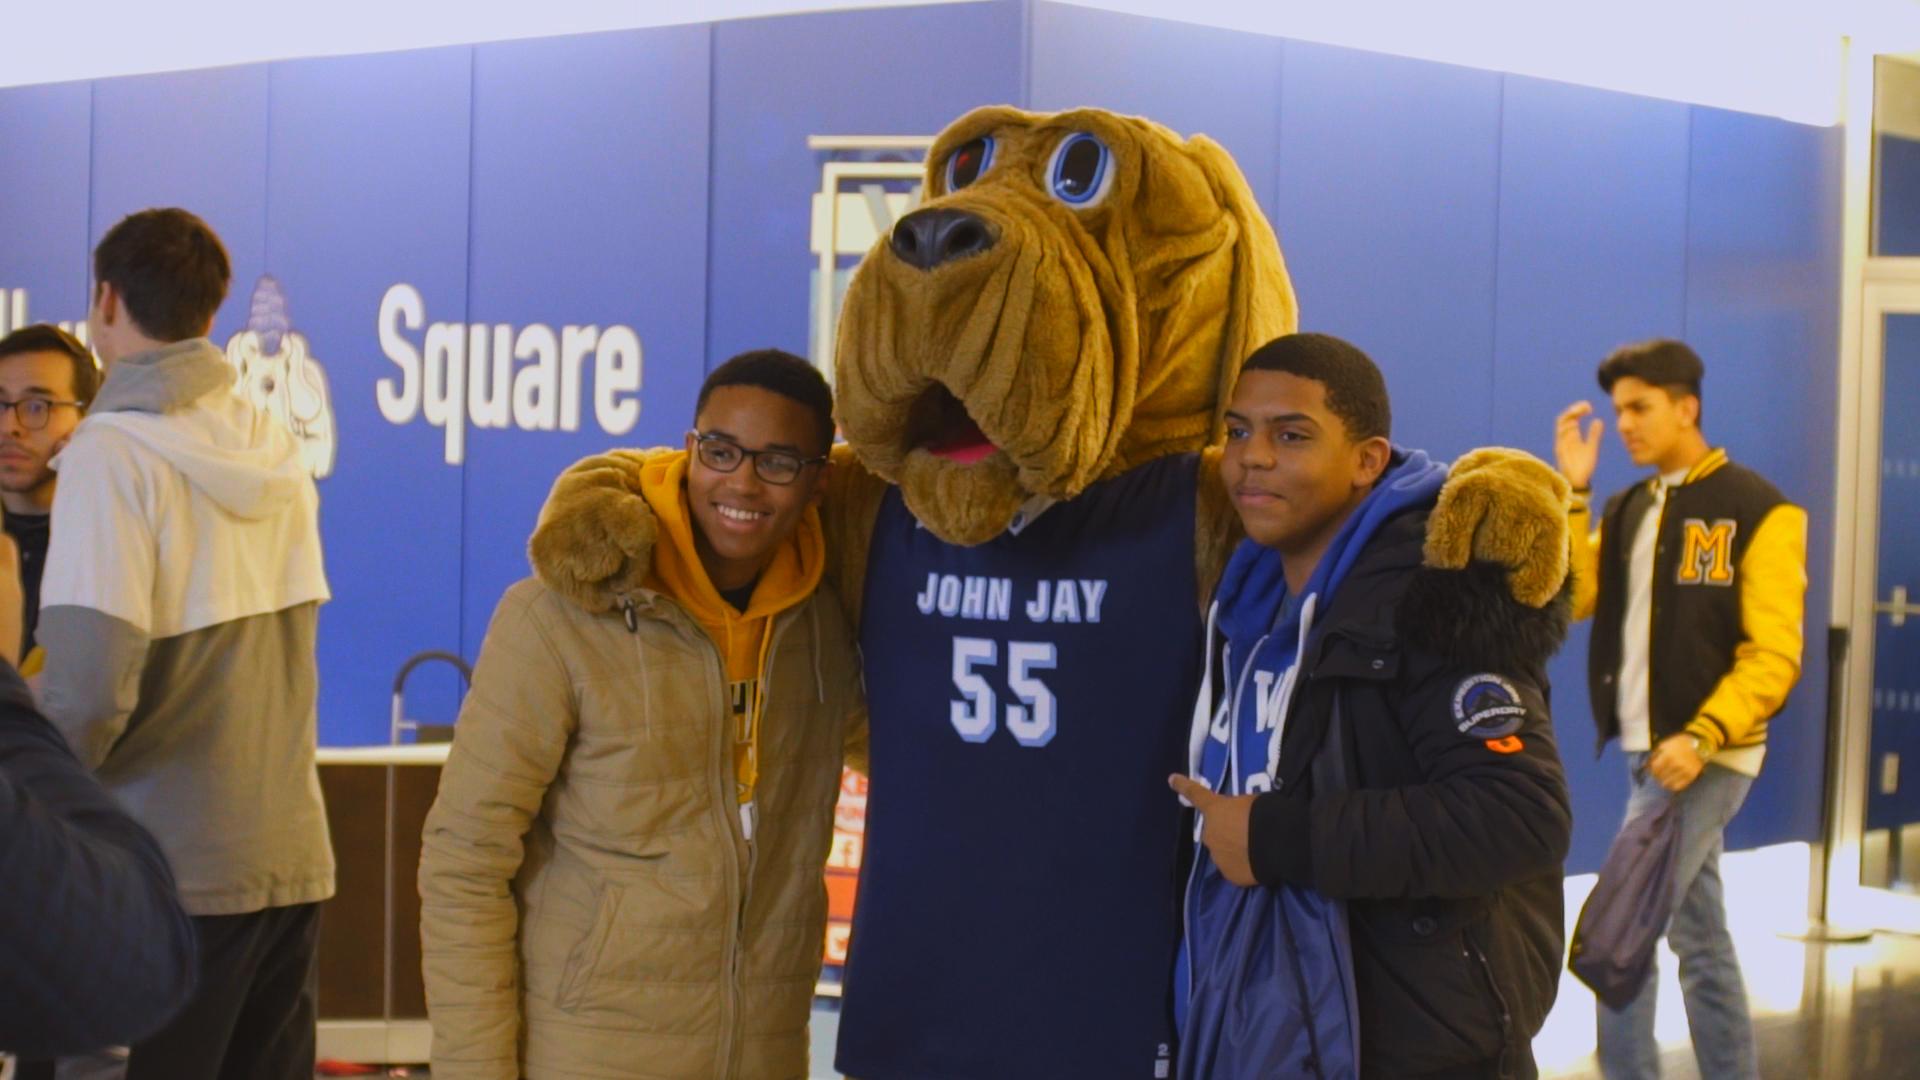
(1025, 523)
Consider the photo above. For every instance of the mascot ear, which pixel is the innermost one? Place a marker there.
(1260, 303)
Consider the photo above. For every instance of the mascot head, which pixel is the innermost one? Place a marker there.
(1073, 298)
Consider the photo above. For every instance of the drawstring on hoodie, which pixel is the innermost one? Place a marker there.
(1204, 710)
(819, 682)
(1288, 683)
(633, 616)
(1206, 714)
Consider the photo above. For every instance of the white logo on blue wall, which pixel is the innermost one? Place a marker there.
(274, 368)
(1487, 707)
(500, 376)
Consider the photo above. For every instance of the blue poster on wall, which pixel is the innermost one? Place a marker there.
(43, 212)
(457, 271)
(195, 139)
(588, 278)
(367, 202)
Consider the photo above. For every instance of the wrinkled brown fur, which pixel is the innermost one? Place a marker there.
(1084, 342)
(1505, 507)
(594, 542)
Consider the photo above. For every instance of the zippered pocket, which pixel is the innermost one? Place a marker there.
(585, 958)
(1478, 957)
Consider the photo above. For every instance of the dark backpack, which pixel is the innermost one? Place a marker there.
(1624, 917)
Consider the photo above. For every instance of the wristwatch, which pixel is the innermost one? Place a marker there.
(1701, 749)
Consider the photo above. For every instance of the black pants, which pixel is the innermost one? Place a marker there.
(252, 1016)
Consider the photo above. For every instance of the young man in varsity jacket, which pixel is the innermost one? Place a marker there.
(1696, 580)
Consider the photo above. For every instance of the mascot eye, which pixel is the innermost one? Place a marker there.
(1079, 174)
(968, 162)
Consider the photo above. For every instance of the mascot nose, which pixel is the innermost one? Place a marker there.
(927, 238)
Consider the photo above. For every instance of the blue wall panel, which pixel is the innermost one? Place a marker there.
(1193, 79)
(900, 71)
(1593, 203)
(589, 192)
(1489, 238)
(1389, 180)
(45, 159)
(194, 139)
(1763, 312)
(367, 189)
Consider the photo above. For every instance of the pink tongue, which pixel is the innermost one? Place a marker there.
(966, 447)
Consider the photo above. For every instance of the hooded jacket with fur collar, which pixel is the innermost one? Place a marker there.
(1448, 835)
(592, 904)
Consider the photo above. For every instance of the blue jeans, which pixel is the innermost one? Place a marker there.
(1710, 980)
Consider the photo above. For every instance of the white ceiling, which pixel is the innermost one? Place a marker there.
(1779, 57)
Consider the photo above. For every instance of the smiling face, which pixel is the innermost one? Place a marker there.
(25, 478)
(1290, 467)
(1065, 305)
(739, 519)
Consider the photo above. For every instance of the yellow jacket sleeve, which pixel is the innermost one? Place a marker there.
(1585, 537)
(1773, 593)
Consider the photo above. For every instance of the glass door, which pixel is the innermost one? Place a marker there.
(1876, 871)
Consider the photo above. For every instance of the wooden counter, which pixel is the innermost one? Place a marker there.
(372, 1001)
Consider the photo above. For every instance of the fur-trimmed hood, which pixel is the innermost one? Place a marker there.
(1467, 618)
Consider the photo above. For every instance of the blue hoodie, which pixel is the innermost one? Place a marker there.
(1265, 984)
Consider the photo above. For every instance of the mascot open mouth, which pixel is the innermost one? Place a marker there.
(938, 423)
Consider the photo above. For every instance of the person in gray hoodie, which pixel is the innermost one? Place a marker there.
(178, 614)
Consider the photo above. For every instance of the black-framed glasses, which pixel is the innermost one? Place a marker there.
(721, 454)
(35, 412)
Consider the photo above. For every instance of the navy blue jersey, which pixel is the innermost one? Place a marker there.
(1018, 907)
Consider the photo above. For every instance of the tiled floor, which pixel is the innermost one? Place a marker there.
(1833, 1012)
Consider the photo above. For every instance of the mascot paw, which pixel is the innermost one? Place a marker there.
(1506, 507)
(596, 534)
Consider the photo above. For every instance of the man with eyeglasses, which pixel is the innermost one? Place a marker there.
(623, 868)
(46, 380)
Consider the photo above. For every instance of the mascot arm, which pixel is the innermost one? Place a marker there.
(1509, 508)
(847, 514)
(597, 499)
(607, 483)
(1499, 506)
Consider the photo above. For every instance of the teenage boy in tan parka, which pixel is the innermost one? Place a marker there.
(622, 872)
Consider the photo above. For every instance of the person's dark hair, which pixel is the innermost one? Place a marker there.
(784, 374)
(170, 270)
(1356, 391)
(46, 337)
(1662, 362)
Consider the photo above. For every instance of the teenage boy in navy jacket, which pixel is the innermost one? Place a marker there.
(1384, 815)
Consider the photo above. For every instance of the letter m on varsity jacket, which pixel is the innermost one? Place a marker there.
(1729, 593)
(1706, 552)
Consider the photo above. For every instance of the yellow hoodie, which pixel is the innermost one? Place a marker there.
(743, 637)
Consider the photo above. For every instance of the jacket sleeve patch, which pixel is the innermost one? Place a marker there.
(1510, 744)
(1487, 707)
